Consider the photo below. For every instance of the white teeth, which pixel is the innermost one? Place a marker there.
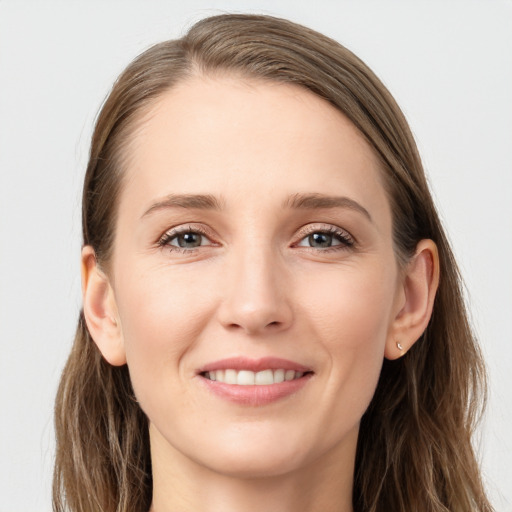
(264, 378)
(278, 376)
(248, 378)
(289, 375)
(245, 378)
(230, 376)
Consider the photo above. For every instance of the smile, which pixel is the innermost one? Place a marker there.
(250, 378)
(254, 382)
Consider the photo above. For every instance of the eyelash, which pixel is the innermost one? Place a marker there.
(166, 239)
(345, 239)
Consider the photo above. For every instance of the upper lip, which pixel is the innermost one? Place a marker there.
(254, 365)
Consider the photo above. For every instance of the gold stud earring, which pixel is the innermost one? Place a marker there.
(399, 345)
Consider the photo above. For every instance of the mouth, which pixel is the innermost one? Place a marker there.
(254, 382)
(250, 378)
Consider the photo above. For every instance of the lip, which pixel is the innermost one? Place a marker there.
(256, 395)
(253, 365)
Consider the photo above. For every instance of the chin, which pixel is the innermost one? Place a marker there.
(256, 465)
(257, 456)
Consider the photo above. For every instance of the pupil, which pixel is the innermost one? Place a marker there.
(189, 240)
(320, 240)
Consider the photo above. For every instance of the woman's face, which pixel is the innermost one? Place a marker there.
(253, 245)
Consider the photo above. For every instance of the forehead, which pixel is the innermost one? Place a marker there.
(227, 135)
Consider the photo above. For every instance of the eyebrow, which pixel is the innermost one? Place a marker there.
(295, 201)
(195, 201)
(321, 201)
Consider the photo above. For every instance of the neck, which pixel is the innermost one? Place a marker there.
(179, 483)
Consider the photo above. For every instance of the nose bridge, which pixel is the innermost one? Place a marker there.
(255, 297)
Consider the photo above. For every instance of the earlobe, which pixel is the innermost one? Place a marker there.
(100, 310)
(419, 290)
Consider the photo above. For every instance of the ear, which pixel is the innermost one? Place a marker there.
(100, 310)
(418, 291)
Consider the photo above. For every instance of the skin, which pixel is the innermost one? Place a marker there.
(254, 288)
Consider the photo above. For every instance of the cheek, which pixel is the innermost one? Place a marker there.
(351, 306)
(162, 315)
(162, 306)
(351, 312)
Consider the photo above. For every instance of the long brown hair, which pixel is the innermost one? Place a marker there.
(414, 451)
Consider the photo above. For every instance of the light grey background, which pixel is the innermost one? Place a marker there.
(448, 63)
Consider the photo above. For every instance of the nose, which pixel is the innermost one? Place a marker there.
(256, 293)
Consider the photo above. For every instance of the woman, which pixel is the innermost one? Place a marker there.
(272, 314)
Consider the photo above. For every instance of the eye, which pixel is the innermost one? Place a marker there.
(187, 240)
(331, 237)
(184, 239)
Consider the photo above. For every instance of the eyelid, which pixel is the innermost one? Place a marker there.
(169, 234)
(347, 239)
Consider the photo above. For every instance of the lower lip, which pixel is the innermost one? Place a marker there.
(255, 395)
